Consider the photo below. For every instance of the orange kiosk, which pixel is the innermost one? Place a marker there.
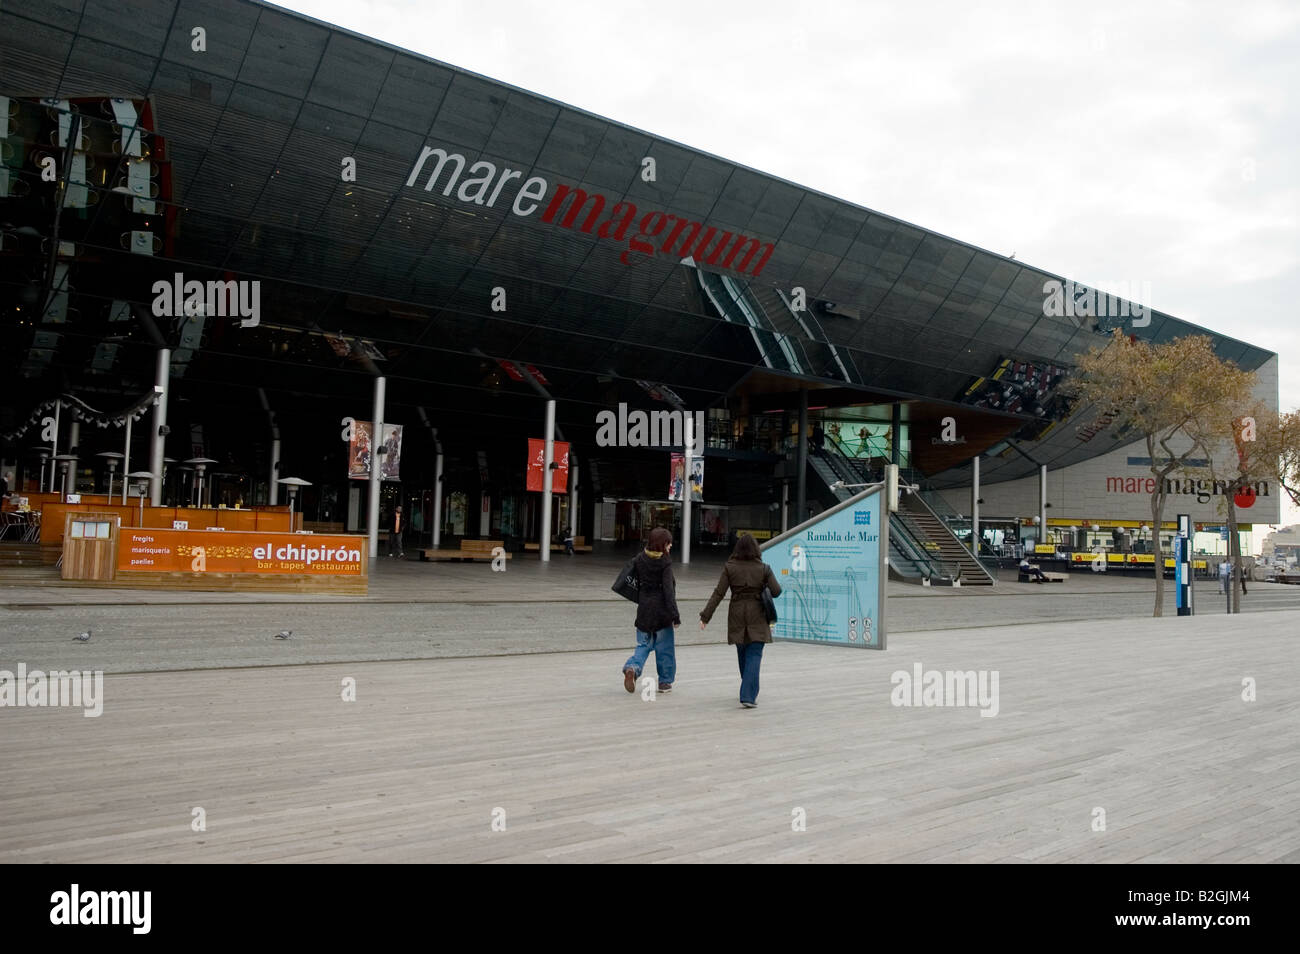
(259, 549)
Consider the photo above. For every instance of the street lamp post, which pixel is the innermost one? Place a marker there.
(65, 461)
(43, 453)
(292, 484)
(111, 458)
(142, 478)
(200, 464)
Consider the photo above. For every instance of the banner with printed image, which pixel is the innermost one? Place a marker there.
(536, 479)
(360, 451)
(677, 477)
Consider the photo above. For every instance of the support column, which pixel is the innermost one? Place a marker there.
(275, 472)
(54, 444)
(801, 488)
(126, 457)
(1042, 504)
(573, 497)
(547, 483)
(895, 433)
(158, 441)
(686, 488)
(785, 505)
(74, 441)
(272, 494)
(437, 495)
(975, 506)
(376, 468)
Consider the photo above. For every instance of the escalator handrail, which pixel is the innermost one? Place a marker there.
(919, 554)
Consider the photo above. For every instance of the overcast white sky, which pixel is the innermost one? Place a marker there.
(1140, 141)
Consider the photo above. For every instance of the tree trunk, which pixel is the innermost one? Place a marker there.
(1234, 556)
(1157, 507)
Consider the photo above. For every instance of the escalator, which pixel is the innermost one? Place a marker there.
(922, 546)
(788, 340)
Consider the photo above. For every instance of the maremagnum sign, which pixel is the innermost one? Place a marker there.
(644, 233)
(832, 571)
(1244, 493)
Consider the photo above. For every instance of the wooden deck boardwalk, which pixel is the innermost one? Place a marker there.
(1142, 718)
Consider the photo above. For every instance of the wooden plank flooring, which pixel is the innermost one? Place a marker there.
(1141, 717)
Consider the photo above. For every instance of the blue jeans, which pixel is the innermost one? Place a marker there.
(661, 644)
(750, 657)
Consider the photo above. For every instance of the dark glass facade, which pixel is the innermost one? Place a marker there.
(535, 236)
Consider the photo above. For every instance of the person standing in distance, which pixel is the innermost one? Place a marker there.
(395, 534)
(656, 612)
(745, 574)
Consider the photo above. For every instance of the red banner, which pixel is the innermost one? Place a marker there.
(537, 465)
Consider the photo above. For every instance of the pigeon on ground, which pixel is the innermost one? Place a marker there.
(84, 637)
(284, 634)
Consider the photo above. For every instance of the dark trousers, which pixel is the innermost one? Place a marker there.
(750, 658)
(395, 540)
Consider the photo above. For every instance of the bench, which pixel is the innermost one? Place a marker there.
(1051, 578)
(580, 545)
(469, 550)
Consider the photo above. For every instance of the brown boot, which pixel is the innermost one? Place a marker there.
(629, 680)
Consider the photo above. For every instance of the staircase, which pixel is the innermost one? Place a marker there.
(787, 340)
(817, 357)
(939, 539)
(912, 557)
(909, 559)
(14, 554)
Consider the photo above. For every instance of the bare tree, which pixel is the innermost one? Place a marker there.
(1165, 394)
(1284, 444)
(1239, 447)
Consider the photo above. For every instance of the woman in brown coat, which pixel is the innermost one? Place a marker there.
(745, 574)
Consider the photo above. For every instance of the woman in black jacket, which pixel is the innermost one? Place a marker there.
(656, 612)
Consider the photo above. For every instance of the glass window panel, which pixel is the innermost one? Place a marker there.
(671, 163)
(228, 27)
(570, 145)
(92, 62)
(63, 14)
(245, 133)
(741, 193)
(617, 161)
(412, 92)
(841, 228)
(264, 104)
(224, 190)
(351, 74)
(145, 23)
(703, 182)
(468, 114)
(521, 132)
(189, 119)
(386, 156)
(284, 54)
